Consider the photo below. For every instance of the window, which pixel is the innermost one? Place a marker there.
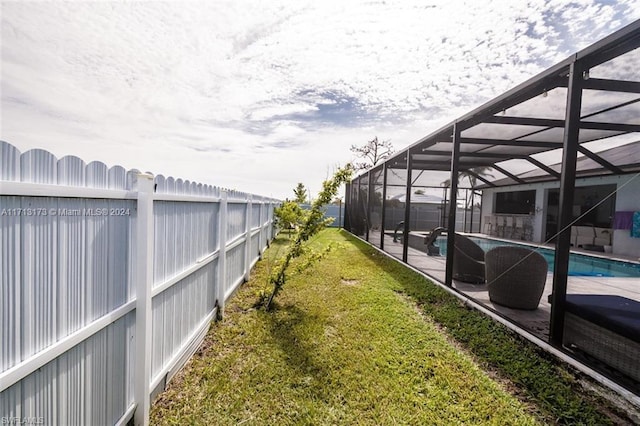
(516, 202)
(592, 205)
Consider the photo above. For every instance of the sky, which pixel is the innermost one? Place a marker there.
(257, 96)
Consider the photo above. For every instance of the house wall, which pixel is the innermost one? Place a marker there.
(488, 205)
(627, 199)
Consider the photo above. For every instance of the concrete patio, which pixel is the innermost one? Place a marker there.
(536, 321)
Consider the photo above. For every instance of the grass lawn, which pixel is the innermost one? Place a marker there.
(360, 339)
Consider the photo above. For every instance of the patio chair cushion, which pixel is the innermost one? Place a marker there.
(603, 236)
(615, 313)
(583, 235)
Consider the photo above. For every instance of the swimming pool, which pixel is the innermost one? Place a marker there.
(579, 265)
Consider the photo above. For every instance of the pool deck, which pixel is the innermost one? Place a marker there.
(536, 321)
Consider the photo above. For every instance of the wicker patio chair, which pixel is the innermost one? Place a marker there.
(606, 327)
(515, 276)
(468, 261)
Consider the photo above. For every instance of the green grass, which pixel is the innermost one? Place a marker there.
(539, 377)
(347, 345)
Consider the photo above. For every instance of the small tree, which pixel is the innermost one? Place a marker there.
(288, 215)
(313, 222)
(301, 193)
(373, 152)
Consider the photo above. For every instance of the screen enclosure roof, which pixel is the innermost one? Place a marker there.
(520, 134)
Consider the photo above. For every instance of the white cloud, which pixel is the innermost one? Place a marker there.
(258, 95)
(278, 110)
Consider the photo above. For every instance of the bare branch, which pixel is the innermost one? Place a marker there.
(373, 152)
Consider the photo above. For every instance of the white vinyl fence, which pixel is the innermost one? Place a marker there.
(109, 280)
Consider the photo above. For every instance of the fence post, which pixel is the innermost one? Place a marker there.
(270, 230)
(247, 256)
(262, 230)
(222, 254)
(143, 263)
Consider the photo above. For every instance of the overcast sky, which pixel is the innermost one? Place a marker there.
(259, 95)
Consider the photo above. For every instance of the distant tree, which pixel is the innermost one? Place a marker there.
(373, 152)
(301, 193)
(466, 174)
(393, 203)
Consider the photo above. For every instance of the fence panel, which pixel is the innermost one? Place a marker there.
(237, 220)
(77, 299)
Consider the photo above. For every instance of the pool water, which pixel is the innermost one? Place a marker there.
(579, 265)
